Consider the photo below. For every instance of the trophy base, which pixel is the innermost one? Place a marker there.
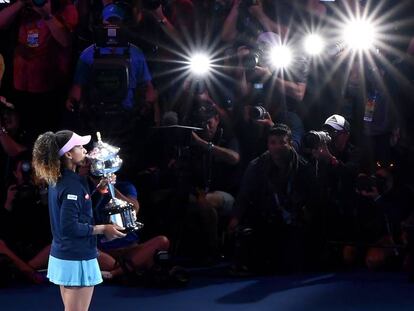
(122, 214)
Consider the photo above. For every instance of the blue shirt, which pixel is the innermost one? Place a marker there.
(138, 74)
(71, 218)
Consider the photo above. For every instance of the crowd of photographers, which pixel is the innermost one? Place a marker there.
(276, 171)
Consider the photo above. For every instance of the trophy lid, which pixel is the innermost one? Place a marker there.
(104, 158)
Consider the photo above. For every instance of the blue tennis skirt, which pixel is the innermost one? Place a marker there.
(74, 272)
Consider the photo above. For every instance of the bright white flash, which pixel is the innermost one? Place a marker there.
(280, 56)
(200, 64)
(359, 34)
(314, 44)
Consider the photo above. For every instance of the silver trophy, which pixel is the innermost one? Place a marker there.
(104, 162)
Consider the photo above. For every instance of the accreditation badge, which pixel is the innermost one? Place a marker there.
(33, 38)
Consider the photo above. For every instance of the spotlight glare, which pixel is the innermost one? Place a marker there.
(200, 64)
(280, 56)
(359, 34)
(314, 44)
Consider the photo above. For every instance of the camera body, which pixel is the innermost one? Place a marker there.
(366, 182)
(110, 36)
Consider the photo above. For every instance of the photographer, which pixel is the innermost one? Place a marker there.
(336, 162)
(268, 218)
(112, 90)
(41, 57)
(279, 90)
(128, 254)
(161, 29)
(246, 19)
(383, 209)
(13, 139)
(25, 213)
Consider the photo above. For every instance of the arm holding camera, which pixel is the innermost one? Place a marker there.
(59, 31)
(267, 121)
(268, 24)
(223, 154)
(295, 90)
(10, 146)
(229, 32)
(8, 14)
(165, 23)
(323, 153)
(11, 194)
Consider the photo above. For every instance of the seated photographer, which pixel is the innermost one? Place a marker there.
(216, 141)
(25, 212)
(383, 210)
(214, 173)
(127, 254)
(42, 57)
(268, 218)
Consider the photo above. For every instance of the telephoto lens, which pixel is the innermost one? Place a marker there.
(314, 139)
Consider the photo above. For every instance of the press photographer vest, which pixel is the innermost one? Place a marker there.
(109, 81)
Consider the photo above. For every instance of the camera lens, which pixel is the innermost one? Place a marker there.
(39, 3)
(250, 60)
(257, 112)
(313, 139)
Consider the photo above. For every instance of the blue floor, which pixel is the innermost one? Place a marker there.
(331, 291)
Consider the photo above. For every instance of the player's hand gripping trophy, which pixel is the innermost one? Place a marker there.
(105, 161)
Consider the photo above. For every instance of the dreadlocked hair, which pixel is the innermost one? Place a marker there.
(46, 161)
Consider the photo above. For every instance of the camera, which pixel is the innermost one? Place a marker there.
(153, 4)
(249, 3)
(257, 113)
(165, 274)
(251, 60)
(6, 108)
(366, 182)
(39, 3)
(111, 36)
(314, 139)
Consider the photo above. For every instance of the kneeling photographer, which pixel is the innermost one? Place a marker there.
(382, 217)
(336, 163)
(269, 215)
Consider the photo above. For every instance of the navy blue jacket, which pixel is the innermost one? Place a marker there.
(71, 218)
